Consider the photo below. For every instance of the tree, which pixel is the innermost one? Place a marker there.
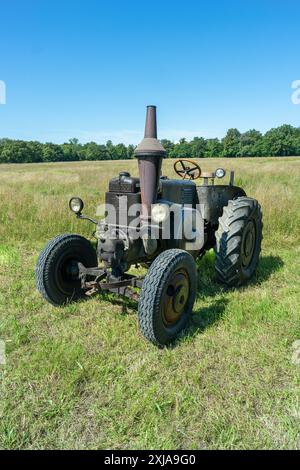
(120, 152)
(198, 147)
(19, 151)
(110, 149)
(231, 143)
(168, 146)
(94, 151)
(251, 144)
(282, 141)
(69, 154)
(214, 148)
(75, 149)
(130, 151)
(52, 153)
(181, 150)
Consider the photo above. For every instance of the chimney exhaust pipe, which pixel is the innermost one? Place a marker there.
(149, 153)
(151, 125)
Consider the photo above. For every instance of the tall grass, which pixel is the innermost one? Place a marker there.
(34, 198)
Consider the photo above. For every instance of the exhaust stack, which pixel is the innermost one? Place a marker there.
(149, 154)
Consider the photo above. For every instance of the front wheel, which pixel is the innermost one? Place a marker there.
(57, 268)
(167, 296)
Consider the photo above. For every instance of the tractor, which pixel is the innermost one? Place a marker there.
(164, 225)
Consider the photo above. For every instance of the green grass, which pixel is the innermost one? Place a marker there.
(83, 377)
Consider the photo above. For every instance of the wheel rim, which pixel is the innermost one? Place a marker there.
(248, 243)
(175, 297)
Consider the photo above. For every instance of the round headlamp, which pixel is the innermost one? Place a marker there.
(76, 205)
(159, 213)
(220, 173)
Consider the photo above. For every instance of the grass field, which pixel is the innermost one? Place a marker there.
(83, 377)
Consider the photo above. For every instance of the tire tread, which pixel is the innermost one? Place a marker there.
(229, 236)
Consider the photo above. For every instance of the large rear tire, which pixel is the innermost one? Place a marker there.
(167, 296)
(57, 271)
(238, 241)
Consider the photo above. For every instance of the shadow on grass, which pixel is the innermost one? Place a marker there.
(205, 317)
(267, 265)
(128, 306)
(208, 286)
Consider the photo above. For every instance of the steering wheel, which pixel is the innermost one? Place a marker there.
(187, 169)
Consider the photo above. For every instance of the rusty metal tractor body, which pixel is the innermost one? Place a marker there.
(198, 218)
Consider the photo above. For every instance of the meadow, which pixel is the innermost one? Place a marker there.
(83, 377)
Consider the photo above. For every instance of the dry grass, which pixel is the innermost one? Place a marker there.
(83, 377)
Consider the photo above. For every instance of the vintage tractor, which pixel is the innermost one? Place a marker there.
(164, 225)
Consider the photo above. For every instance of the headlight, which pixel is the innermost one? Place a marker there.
(76, 205)
(220, 173)
(159, 213)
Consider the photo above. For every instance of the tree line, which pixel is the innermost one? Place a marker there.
(279, 141)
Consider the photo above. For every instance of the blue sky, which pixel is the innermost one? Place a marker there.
(87, 69)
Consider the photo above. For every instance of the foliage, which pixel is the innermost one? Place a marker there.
(231, 143)
(280, 141)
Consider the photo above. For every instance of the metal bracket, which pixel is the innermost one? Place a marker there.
(118, 285)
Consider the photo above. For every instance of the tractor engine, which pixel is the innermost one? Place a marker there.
(120, 234)
(119, 245)
(132, 230)
(122, 239)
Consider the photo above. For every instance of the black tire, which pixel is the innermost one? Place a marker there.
(56, 276)
(167, 296)
(238, 241)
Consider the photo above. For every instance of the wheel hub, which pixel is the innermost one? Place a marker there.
(175, 298)
(71, 269)
(248, 245)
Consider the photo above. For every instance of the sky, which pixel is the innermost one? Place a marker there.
(87, 69)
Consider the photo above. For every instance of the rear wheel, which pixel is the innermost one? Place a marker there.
(167, 296)
(238, 241)
(57, 268)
